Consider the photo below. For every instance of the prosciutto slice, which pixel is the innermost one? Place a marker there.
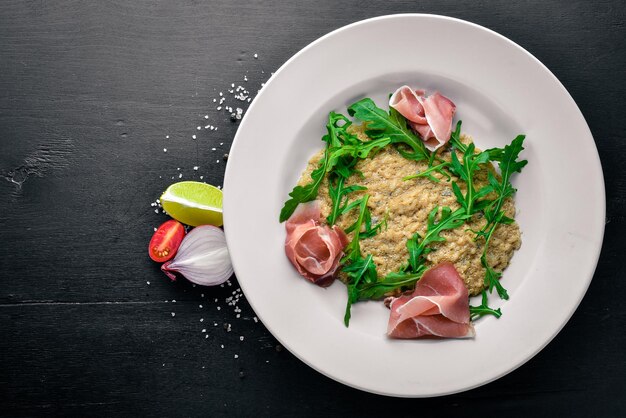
(314, 249)
(438, 307)
(431, 117)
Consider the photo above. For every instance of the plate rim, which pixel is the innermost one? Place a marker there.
(598, 166)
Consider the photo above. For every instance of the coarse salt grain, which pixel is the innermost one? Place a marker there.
(203, 329)
(201, 319)
(173, 314)
(167, 137)
(193, 137)
(195, 167)
(198, 127)
(256, 56)
(164, 149)
(241, 338)
(148, 283)
(207, 116)
(180, 176)
(236, 355)
(200, 306)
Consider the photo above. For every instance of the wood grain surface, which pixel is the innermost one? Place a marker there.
(92, 92)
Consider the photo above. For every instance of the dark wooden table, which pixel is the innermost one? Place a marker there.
(91, 95)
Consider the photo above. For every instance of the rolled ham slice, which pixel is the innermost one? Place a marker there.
(429, 116)
(315, 250)
(438, 307)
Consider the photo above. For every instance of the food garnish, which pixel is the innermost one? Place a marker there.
(193, 203)
(202, 257)
(166, 240)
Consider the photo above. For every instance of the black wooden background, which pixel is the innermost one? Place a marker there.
(92, 92)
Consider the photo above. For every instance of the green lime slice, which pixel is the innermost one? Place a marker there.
(193, 203)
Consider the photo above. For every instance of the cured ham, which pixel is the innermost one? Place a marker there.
(438, 307)
(431, 117)
(315, 250)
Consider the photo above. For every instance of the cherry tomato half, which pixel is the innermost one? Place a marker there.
(166, 240)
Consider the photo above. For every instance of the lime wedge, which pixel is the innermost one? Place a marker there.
(193, 203)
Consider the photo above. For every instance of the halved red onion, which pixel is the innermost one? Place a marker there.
(202, 257)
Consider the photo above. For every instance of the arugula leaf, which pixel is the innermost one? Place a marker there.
(301, 194)
(339, 196)
(492, 277)
(393, 125)
(341, 155)
(390, 283)
(455, 138)
(508, 164)
(427, 173)
(483, 309)
(466, 171)
(360, 269)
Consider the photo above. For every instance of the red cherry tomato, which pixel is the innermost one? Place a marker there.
(166, 240)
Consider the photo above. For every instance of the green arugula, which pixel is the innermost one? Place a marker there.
(343, 150)
(455, 138)
(381, 124)
(482, 310)
(466, 171)
(301, 194)
(508, 164)
(338, 193)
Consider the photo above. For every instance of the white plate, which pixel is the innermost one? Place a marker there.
(500, 90)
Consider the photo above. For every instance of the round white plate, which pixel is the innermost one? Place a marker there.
(500, 91)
